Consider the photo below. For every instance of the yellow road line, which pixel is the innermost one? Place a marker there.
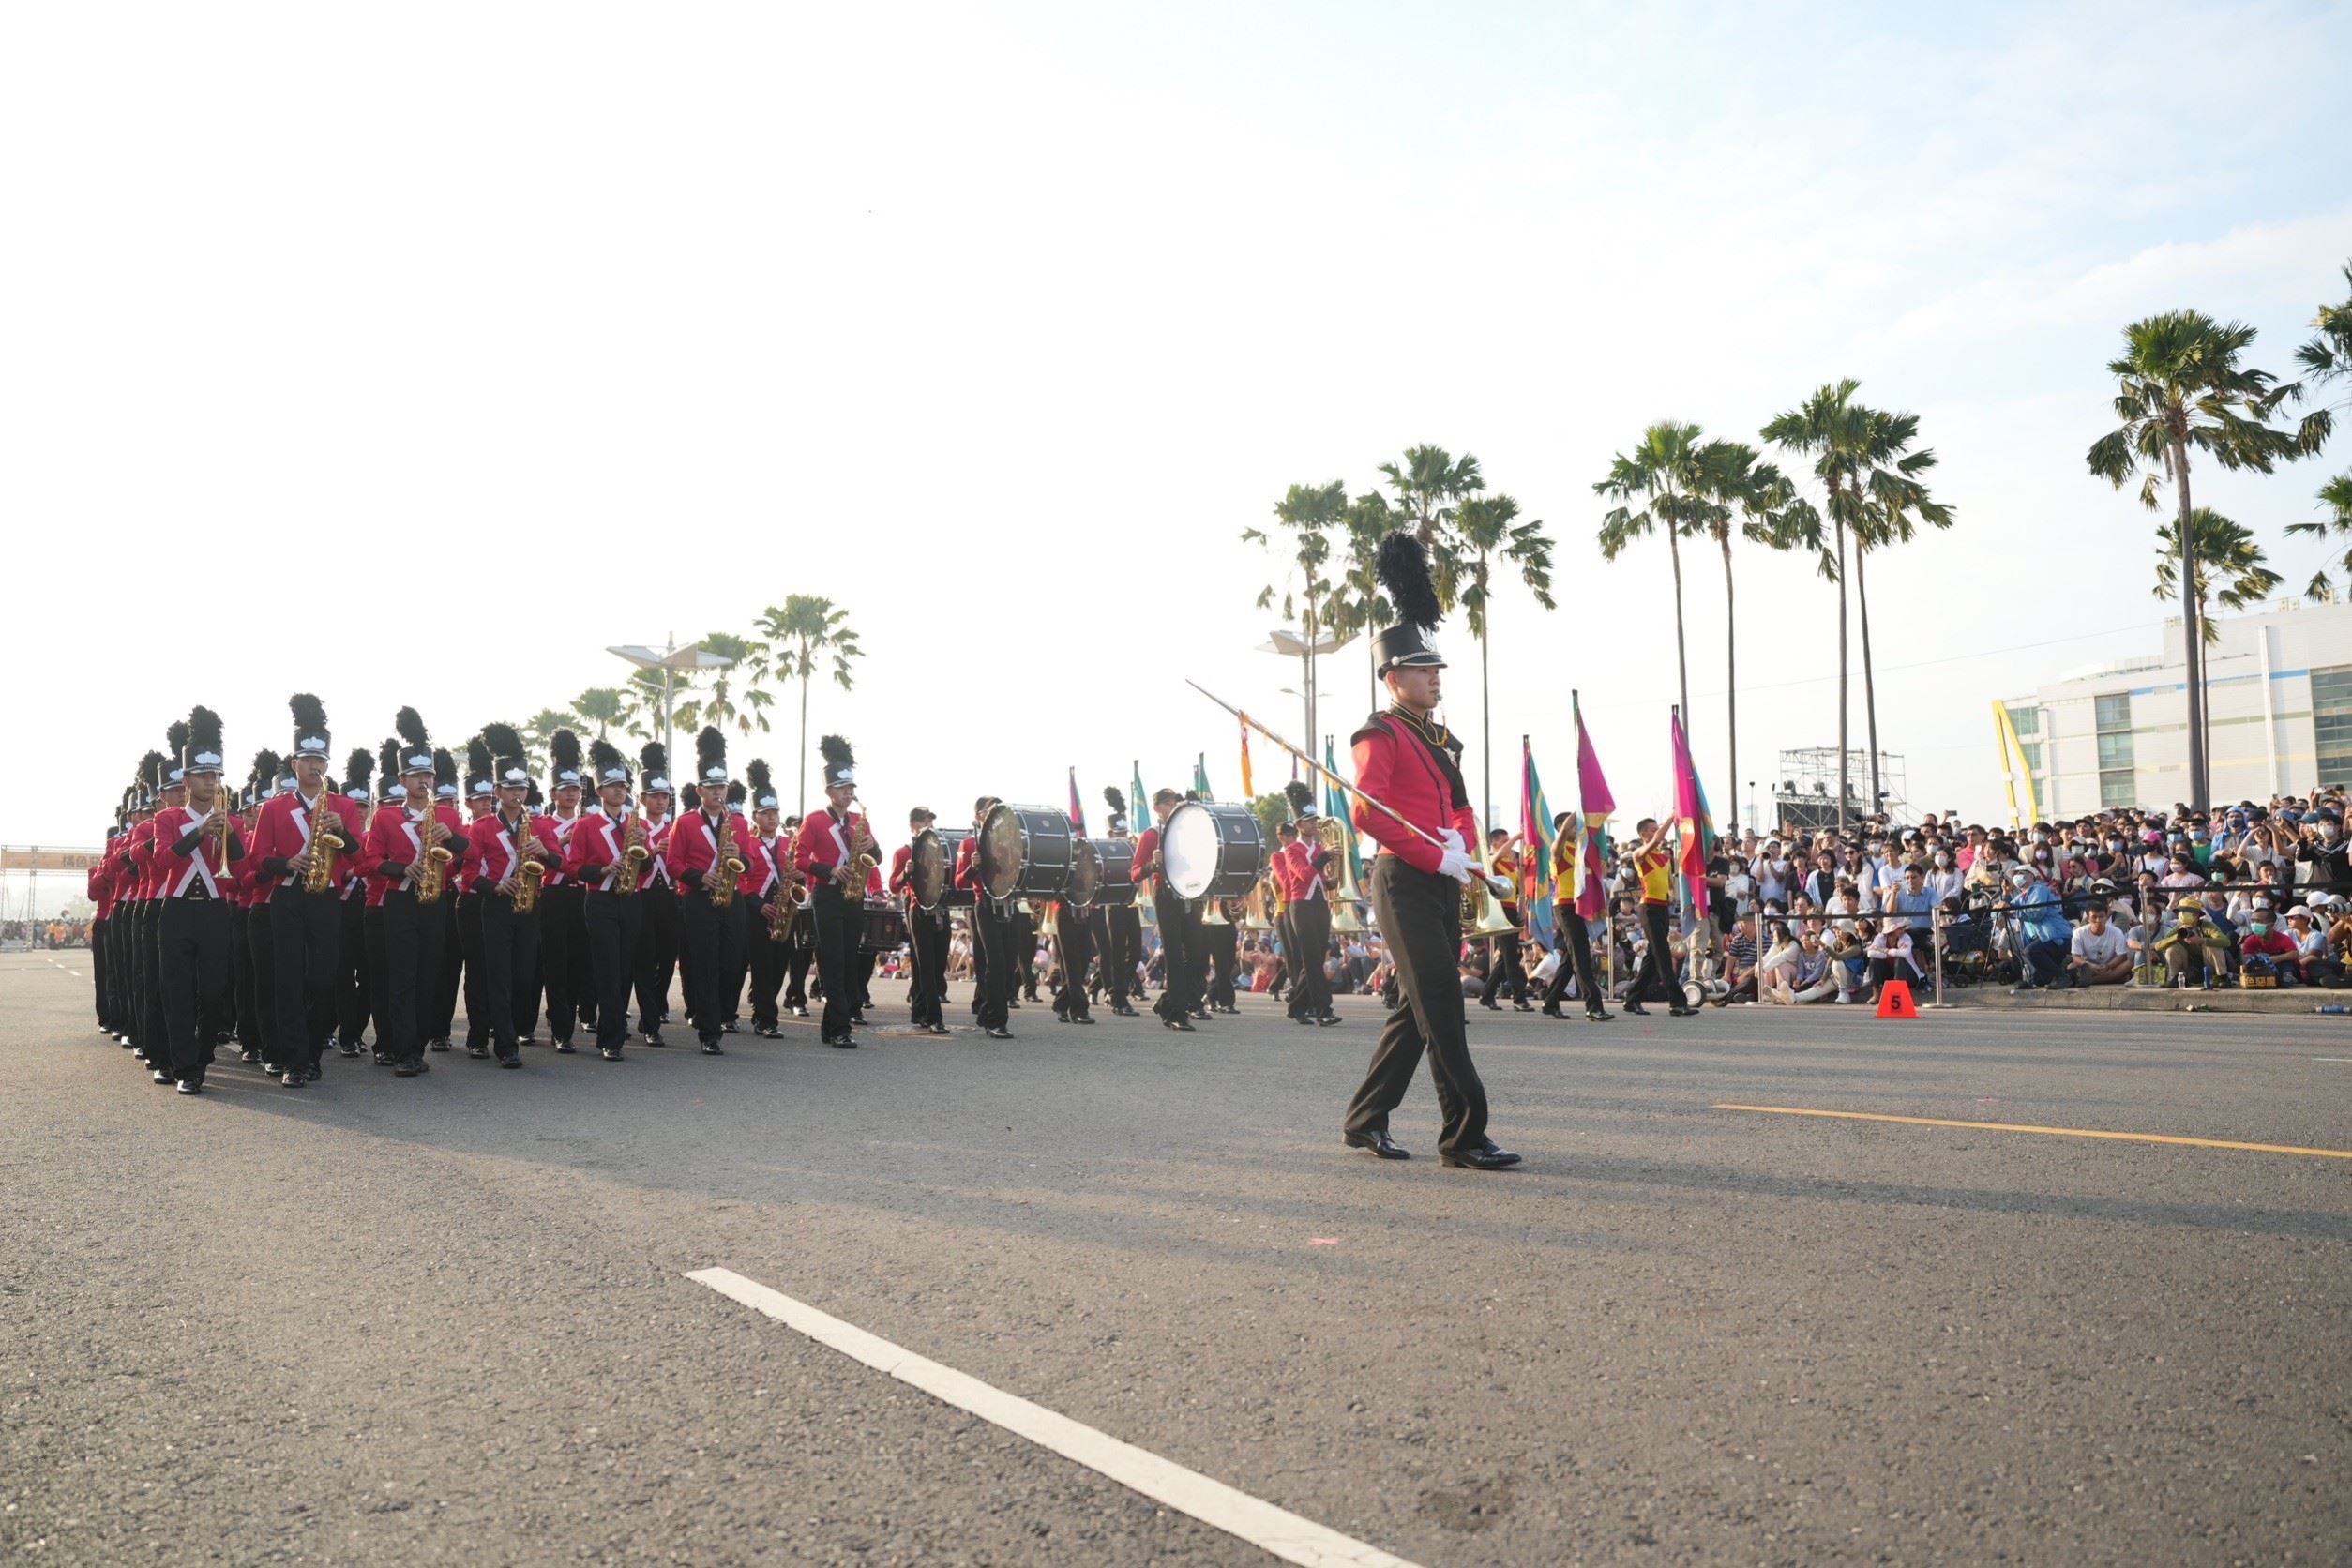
(2053, 1132)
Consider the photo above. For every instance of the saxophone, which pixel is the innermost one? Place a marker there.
(728, 871)
(528, 873)
(634, 855)
(433, 863)
(792, 896)
(320, 878)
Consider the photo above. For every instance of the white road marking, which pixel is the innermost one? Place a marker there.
(2332, 1058)
(1272, 1530)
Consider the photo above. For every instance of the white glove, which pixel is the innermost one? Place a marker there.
(1450, 839)
(1458, 866)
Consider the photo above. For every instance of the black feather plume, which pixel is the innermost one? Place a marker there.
(756, 770)
(478, 760)
(562, 750)
(358, 770)
(653, 758)
(710, 750)
(505, 744)
(310, 714)
(410, 726)
(1117, 797)
(264, 774)
(388, 763)
(444, 767)
(532, 799)
(175, 741)
(736, 793)
(151, 770)
(1403, 568)
(1302, 795)
(837, 753)
(204, 730)
(603, 756)
(690, 799)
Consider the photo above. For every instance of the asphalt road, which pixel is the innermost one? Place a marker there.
(446, 1319)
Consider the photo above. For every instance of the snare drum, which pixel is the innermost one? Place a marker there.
(1025, 852)
(1213, 849)
(1114, 875)
(931, 869)
(885, 928)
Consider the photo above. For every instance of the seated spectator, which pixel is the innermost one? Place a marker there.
(1738, 964)
(2311, 947)
(1892, 957)
(1798, 973)
(2195, 953)
(2044, 936)
(1850, 957)
(2101, 955)
(2266, 950)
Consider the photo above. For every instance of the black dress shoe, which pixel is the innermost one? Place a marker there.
(1082, 1020)
(438, 1045)
(347, 1047)
(1551, 1010)
(652, 1037)
(383, 1059)
(316, 1072)
(1635, 1009)
(1598, 1015)
(729, 1027)
(406, 1069)
(940, 1029)
(1680, 1012)
(858, 1017)
(611, 1053)
(251, 1058)
(842, 1042)
(1379, 1143)
(479, 1053)
(564, 1048)
(161, 1076)
(767, 1032)
(1521, 1007)
(514, 1061)
(291, 1079)
(1185, 1024)
(710, 1048)
(1491, 1157)
(421, 1065)
(999, 1033)
(190, 1086)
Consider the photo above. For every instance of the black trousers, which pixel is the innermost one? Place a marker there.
(1310, 920)
(1124, 952)
(1179, 936)
(1658, 962)
(99, 940)
(153, 1037)
(928, 989)
(1024, 939)
(800, 951)
(379, 982)
(993, 966)
(413, 938)
(1420, 915)
(766, 959)
(1570, 927)
(746, 914)
(510, 955)
(305, 929)
(563, 959)
(1504, 969)
(656, 960)
(260, 949)
(460, 964)
(839, 922)
(1074, 938)
(468, 957)
(706, 953)
(199, 991)
(351, 991)
(615, 923)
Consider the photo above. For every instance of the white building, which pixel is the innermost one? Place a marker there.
(2278, 717)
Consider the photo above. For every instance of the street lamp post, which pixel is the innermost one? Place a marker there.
(1291, 646)
(673, 661)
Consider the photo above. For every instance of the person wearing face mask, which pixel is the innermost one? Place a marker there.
(2044, 935)
(2264, 949)
(2331, 857)
(2181, 871)
(1943, 878)
(1774, 874)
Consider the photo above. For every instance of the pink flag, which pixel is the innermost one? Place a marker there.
(1078, 813)
(1688, 814)
(1595, 805)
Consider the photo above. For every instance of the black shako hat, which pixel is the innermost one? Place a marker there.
(388, 785)
(311, 738)
(563, 751)
(1302, 795)
(174, 751)
(1402, 565)
(505, 744)
(444, 775)
(605, 762)
(763, 784)
(840, 762)
(710, 759)
(479, 767)
(417, 746)
(359, 772)
(201, 752)
(653, 758)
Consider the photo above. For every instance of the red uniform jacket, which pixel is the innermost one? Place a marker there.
(901, 868)
(283, 831)
(657, 871)
(693, 848)
(823, 844)
(967, 865)
(490, 848)
(1395, 767)
(142, 860)
(592, 853)
(758, 867)
(1296, 875)
(202, 867)
(1147, 851)
(560, 840)
(397, 838)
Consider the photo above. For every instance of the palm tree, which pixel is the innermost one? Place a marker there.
(544, 723)
(641, 699)
(800, 633)
(1358, 607)
(1664, 474)
(2336, 495)
(601, 706)
(2180, 386)
(2230, 566)
(1895, 504)
(1829, 428)
(1768, 512)
(1430, 482)
(1488, 527)
(1309, 513)
(736, 695)
(2327, 359)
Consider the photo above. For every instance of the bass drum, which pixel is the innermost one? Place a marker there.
(1114, 869)
(931, 869)
(1213, 849)
(1025, 852)
(1085, 875)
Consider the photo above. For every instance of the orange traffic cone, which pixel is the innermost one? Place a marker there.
(1894, 1001)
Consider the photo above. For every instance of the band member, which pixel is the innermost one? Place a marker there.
(1122, 924)
(1504, 968)
(170, 791)
(97, 886)
(257, 994)
(298, 839)
(992, 968)
(829, 850)
(927, 932)
(1074, 946)
(391, 797)
(461, 955)
(1404, 759)
(1654, 864)
(414, 867)
(1302, 870)
(800, 944)
(197, 843)
(609, 857)
(1024, 941)
(657, 959)
(745, 908)
(510, 857)
(562, 928)
(1178, 1002)
(353, 999)
(131, 870)
(705, 862)
(768, 906)
(1568, 926)
(1220, 943)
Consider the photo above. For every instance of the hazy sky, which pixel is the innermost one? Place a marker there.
(413, 354)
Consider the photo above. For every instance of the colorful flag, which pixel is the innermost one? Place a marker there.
(1535, 856)
(1138, 803)
(1335, 804)
(1596, 806)
(1690, 818)
(1200, 774)
(1249, 790)
(1078, 812)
